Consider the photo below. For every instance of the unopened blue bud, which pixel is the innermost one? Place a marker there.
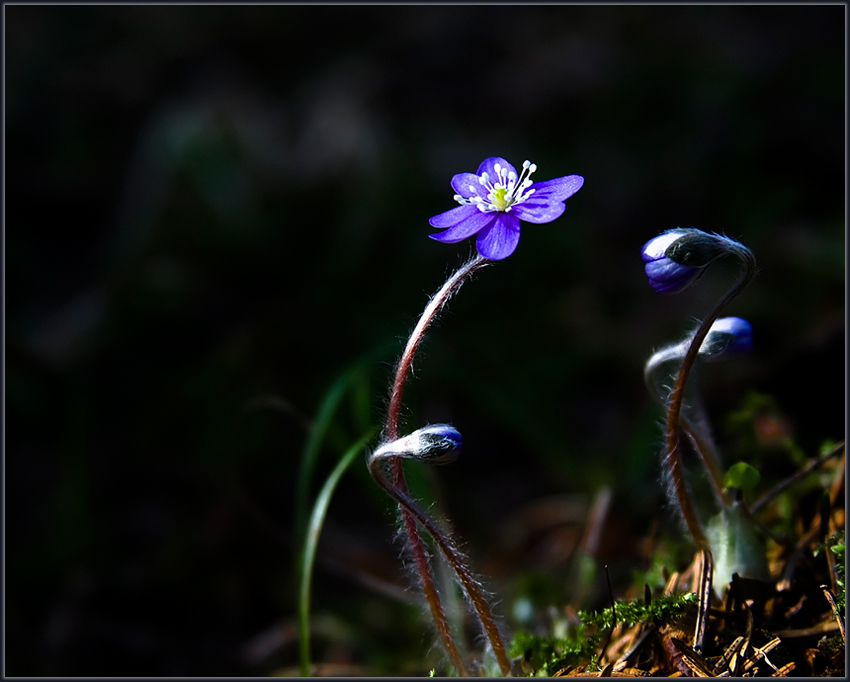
(674, 259)
(441, 442)
(665, 275)
(434, 444)
(728, 336)
(695, 248)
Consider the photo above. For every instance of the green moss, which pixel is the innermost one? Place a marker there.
(835, 544)
(546, 655)
(661, 610)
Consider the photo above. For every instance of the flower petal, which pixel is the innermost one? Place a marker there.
(728, 336)
(558, 189)
(453, 216)
(736, 326)
(532, 211)
(666, 270)
(489, 165)
(667, 276)
(656, 247)
(673, 287)
(499, 240)
(467, 185)
(465, 228)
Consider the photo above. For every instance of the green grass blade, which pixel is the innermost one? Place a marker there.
(354, 374)
(310, 454)
(311, 541)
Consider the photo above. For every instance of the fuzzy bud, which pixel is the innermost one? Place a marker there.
(434, 444)
(727, 337)
(674, 259)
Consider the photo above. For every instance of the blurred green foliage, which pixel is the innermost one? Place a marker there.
(836, 544)
(742, 476)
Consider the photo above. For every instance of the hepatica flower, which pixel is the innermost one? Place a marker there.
(495, 199)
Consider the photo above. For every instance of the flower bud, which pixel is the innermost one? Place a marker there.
(434, 444)
(675, 258)
(445, 432)
(728, 336)
(695, 248)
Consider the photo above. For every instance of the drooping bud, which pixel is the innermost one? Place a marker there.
(695, 248)
(674, 259)
(728, 336)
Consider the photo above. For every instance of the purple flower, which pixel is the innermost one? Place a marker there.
(494, 200)
(675, 258)
(728, 336)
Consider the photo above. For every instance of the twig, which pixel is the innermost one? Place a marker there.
(812, 465)
(613, 618)
(704, 600)
(835, 612)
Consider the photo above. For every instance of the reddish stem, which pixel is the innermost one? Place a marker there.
(431, 594)
(410, 513)
(434, 305)
(674, 405)
(456, 561)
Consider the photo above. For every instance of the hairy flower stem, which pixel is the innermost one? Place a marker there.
(709, 460)
(432, 597)
(410, 513)
(439, 299)
(673, 458)
(455, 560)
(703, 446)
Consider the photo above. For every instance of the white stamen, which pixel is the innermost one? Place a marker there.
(504, 192)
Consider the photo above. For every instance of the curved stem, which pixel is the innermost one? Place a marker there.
(402, 370)
(455, 559)
(437, 301)
(674, 405)
(692, 426)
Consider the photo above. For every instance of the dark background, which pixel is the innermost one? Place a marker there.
(211, 212)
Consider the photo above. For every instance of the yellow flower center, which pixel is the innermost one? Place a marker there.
(504, 191)
(498, 199)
